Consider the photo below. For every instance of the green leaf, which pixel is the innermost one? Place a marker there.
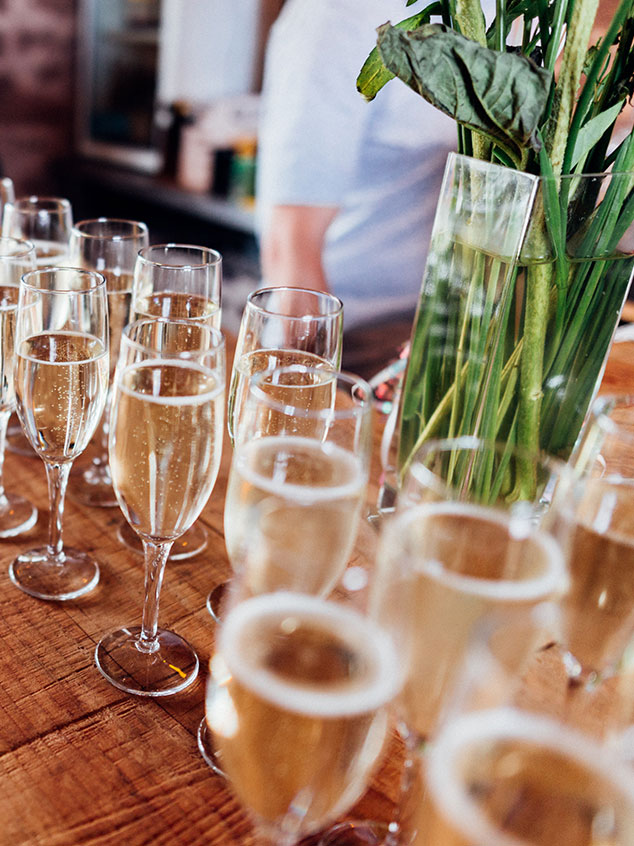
(374, 75)
(502, 95)
(593, 131)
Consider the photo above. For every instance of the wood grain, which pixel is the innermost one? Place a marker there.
(83, 763)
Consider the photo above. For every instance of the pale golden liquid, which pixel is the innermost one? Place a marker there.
(599, 606)
(8, 309)
(50, 253)
(539, 794)
(280, 744)
(61, 382)
(292, 513)
(119, 290)
(165, 445)
(178, 306)
(299, 391)
(469, 566)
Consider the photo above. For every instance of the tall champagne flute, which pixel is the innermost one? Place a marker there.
(61, 382)
(179, 282)
(297, 483)
(298, 703)
(46, 222)
(502, 771)
(599, 607)
(109, 246)
(166, 428)
(16, 258)
(281, 327)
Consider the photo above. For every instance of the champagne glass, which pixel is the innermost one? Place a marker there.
(505, 770)
(16, 258)
(298, 703)
(46, 222)
(61, 381)
(166, 427)
(110, 246)
(297, 483)
(599, 606)
(179, 282)
(281, 327)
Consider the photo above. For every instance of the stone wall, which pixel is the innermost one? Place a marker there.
(37, 59)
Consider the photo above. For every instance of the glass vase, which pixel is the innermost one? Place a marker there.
(523, 289)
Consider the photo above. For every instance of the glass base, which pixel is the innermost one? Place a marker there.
(170, 668)
(44, 576)
(214, 601)
(206, 749)
(93, 487)
(16, 516)
(17, 441)
(191, 543)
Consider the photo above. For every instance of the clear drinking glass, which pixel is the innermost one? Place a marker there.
(505, 770)
(297, 484)
(298, 703)
(16, 258)
(179, 282)
(110, 246)
(166, 428)
(466, 556)
(281, 327)
(599, 606)
(61, 382)
(46, 222)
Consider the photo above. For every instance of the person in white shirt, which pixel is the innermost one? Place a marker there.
(346, 190)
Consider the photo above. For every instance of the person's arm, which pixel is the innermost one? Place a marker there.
(291, 248)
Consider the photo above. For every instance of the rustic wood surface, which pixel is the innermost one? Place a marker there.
(80, 761)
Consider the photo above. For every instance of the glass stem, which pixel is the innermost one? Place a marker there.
(57, 477)
(156, 555)
(4, 422)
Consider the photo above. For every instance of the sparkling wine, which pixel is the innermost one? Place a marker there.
(470, 563)
(165, 445)
(61, 382)
(50, 253)
(178, 305)
(299, 391)
(506, 778)
(297, 704)
(292, 512)
(8, 309)
(119, 291)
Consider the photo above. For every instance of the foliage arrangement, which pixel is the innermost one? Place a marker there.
(532, 94)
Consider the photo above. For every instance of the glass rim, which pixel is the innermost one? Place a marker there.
(29, 247)
(34, 203)
(41, 272)
(215, 334)
(282, 407)
(142, 228)
(541, 177)
(214, 255)
(319, 295)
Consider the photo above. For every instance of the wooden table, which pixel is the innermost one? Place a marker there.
(85, 764)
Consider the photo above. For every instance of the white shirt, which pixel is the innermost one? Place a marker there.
(321, 143)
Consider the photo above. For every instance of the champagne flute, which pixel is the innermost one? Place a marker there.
(109, 246)
(297, 483)
(61, 382)
(46, 222)
(503, 772)
(179, 282)
(281, 327)
(299, 703)
(16, 258)
(166, 427)
(598, 609)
